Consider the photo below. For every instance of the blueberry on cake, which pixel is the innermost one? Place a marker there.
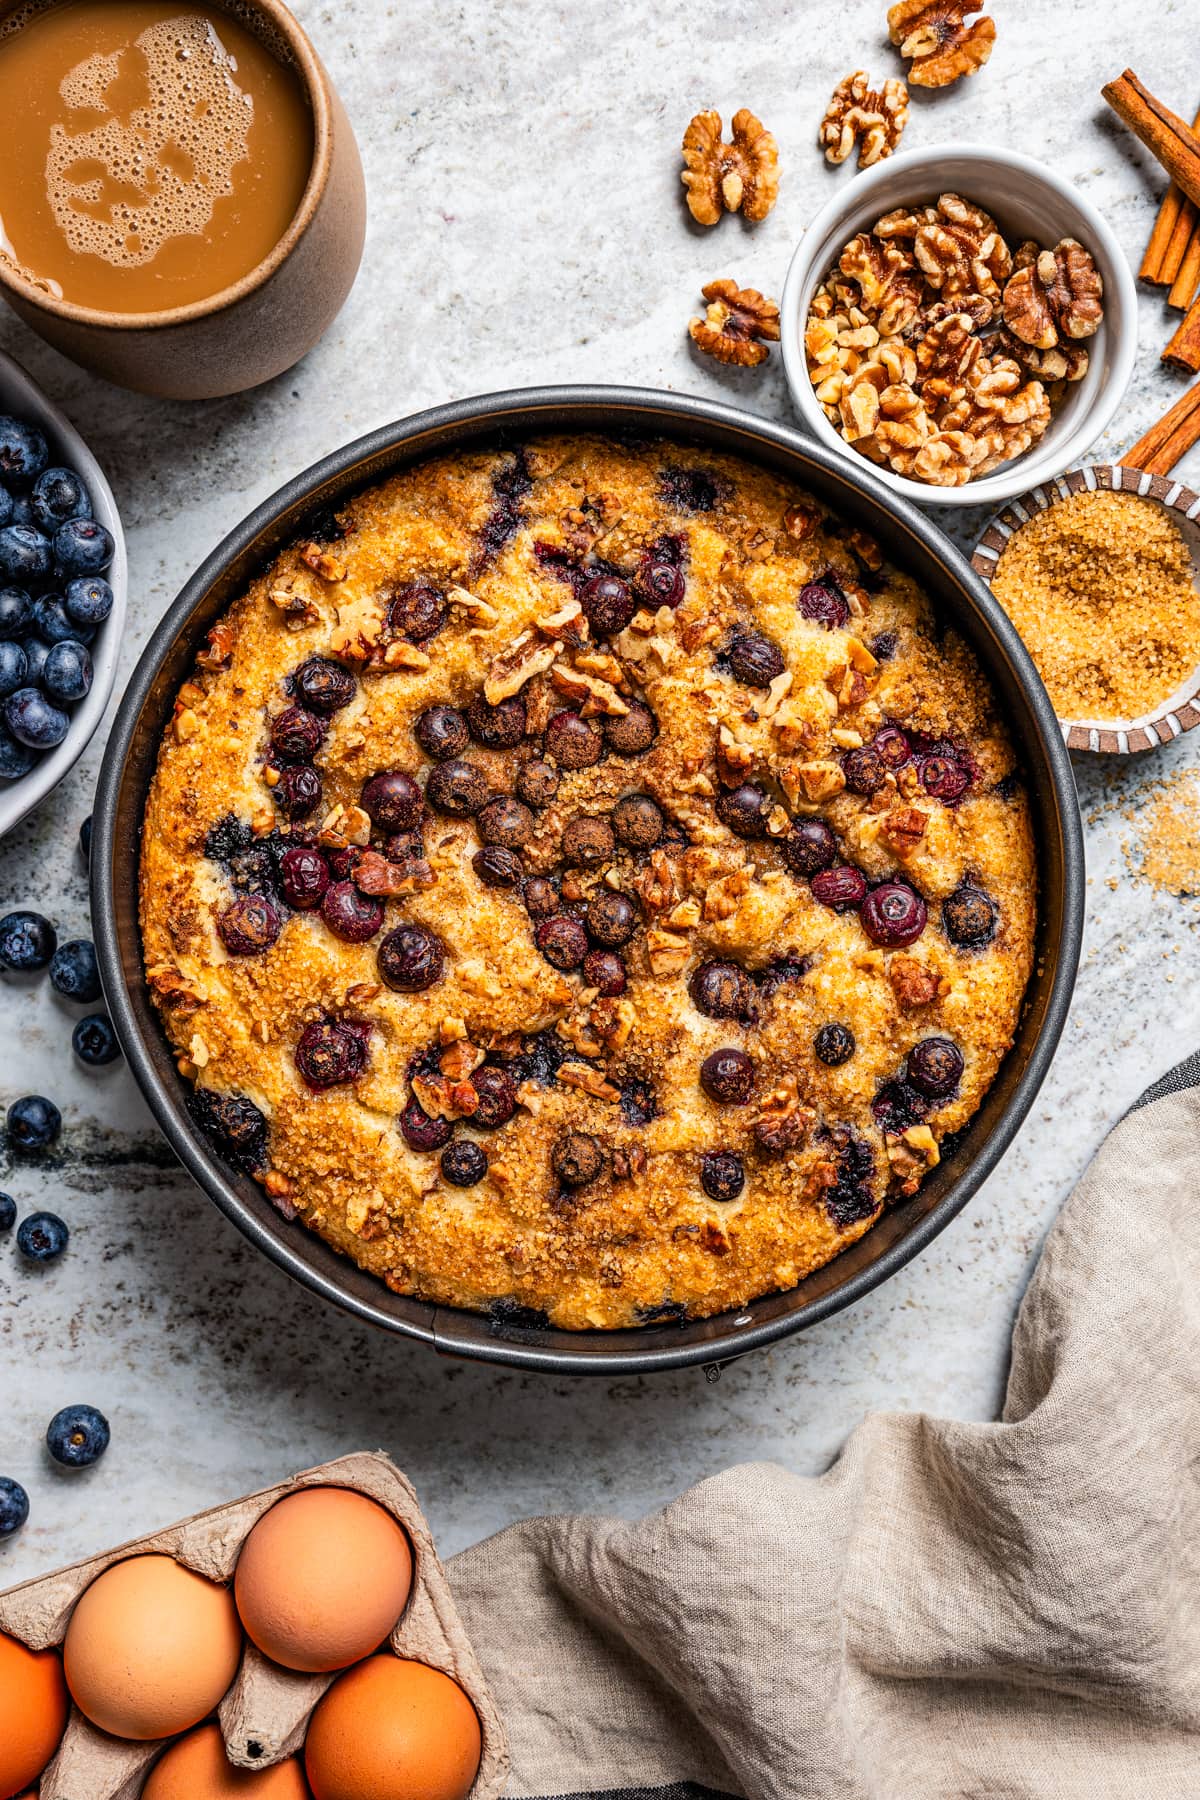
(584, 882)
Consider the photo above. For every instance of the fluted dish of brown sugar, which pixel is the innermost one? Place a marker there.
(1098, 573)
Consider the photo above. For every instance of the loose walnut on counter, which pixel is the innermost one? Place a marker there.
(934, 38)
(742, 176)
(737, 324)
(874, 118)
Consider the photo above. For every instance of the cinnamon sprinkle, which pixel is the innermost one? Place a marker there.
(1100, 586)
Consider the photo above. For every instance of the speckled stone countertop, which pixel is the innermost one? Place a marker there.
(526, 226)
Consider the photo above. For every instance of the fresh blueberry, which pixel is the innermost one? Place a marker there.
(85, 841)
(83, 547)
(25, 554)
(57, 495)
(24, 453)
(33, 1123)
(14, 668)
(8, 1212)
(67, 676)
(77, 1436)
(73, 971)
(22, 510)
(15, 759)
(42, 1237)
(88, 601)
(14, 1506)
(16, 610)
(33, 721)
(36, 651)
(27, 941)
(94, 1041)
(6, 506)
(53, 623)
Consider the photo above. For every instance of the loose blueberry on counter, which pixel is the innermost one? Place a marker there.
(935, 1067)
(16, 612)
(969, 917)
(56, 496)
(25, 554)
(14, 1506)
(463, 1163)
(67, 674)
(834, 1044)
(6, 507)
(51, 622)
(74, 972)
(8, 1212)
(82, 547)
(15, 759)
(27, 941)
(22, 511)
(85, 841)
(893, 915)
(420, 1130)
(24, 453)
(32, 1124)
(721, 990)
(411, 958)
(77, 1436)
(722, 1174)
(842, 888)
(33, 721)
(727, 1076)
(14, 668)
(42, 1237)
(441, 731)
(809, 847)
(95, 1042)
(631, 733)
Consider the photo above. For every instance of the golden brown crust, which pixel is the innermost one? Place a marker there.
(644, 1235)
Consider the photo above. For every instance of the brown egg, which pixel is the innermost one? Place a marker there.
(151, 1648)
(33, 1713)
(393, 1730)
(322, 1579)
(196, 1768)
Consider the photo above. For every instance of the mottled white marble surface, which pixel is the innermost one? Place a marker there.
(525, 226)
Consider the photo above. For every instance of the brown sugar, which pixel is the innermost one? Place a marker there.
(1101, 589)
(1167, 852)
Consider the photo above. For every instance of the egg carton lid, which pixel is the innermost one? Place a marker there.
(265, 1714)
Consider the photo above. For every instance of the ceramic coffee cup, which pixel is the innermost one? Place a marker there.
(262, 324)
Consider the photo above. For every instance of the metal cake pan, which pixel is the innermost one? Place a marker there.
(910, 540)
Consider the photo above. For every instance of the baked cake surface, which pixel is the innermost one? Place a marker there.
(694, 909)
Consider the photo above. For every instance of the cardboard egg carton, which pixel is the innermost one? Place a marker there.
(265, 1714)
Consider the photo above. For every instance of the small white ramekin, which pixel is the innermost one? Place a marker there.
(1027, 200)
(21, 396)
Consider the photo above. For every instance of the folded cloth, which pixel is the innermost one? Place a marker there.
(996, 1611)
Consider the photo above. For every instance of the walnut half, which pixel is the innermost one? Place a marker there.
(935, 40)
(1055, 298)
(742, 176)
(871, 117)
(737, 324)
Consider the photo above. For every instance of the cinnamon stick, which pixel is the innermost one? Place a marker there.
(1173, 228)
(1187, 278)
(1183, 351)
(1170, 438)
(1163, 132)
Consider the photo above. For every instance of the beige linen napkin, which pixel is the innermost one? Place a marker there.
(996, 1611)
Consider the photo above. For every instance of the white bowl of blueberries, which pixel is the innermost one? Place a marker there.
(62, 594)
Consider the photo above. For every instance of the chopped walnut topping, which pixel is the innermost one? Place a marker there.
(344, 825)
(459, 1060)
(737, 325)
(297, 609)
(445, 1099)
(723, 897)
(800, 522)
(783, 1123)
(509, 671)
(628, 1164)
(582, 1036)
(913, 983)
(589, 692)
(654, 885)
(874, 118)
(185, 723)
(402, 655)
(934, 38)
(903, 829)
(742, 176)
(481, 610)
(667, 952)
(588, 1081)
(911, 1156)
(323, 563)
(218, 647)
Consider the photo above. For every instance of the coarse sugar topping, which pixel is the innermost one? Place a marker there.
(1101, 587)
